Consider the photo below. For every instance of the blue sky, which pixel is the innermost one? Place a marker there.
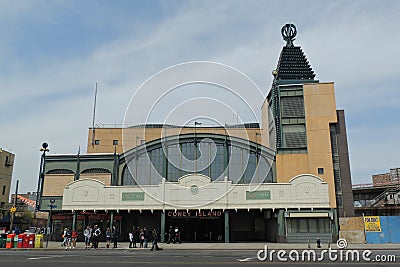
(53, 52)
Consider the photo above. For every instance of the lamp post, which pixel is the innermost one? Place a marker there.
(14, 207)
(44, 149)
(49, 224)
(195, 145)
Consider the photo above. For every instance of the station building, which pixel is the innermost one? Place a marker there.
(287, 180)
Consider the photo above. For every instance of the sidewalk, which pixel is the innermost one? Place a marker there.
(230, 246)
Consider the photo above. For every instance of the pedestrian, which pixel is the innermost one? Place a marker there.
(87, 234)
(170, 235)
(108, 237)
(68, 237)
(64, 237)
(74, 236)
(154, 237)
(115, 234)
(177, 235)
(134, 236)
(141, 237)
(130, 239)
(96, 237)
(146, 237)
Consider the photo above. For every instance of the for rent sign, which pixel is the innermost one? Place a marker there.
(372, 224)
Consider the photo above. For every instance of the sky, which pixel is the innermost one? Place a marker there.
(52, 53)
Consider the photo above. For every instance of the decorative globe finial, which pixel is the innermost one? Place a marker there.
(288, 33)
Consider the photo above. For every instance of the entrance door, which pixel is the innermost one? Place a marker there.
(194, 228)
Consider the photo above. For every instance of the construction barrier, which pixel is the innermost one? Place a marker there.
(10, 241)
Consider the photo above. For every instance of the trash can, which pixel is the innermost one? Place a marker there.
(39, 241)
(15, 241)
(31, 240)
(10, 241)
(3, 240)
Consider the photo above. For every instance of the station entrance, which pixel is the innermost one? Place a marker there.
(196, 226)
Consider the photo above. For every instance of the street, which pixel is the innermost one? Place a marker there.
(140, 257)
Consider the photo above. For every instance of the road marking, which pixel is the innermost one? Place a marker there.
(45, 257)
(246, 259)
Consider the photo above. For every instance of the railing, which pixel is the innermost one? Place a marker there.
(368, 185)
(387, 192)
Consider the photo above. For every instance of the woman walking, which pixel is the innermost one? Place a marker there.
(87, 234)
(74, 236)
(108, 237)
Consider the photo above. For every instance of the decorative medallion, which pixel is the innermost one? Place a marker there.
(85, 193)
(194, 189)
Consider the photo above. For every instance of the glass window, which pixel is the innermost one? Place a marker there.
(97, 142)
(312, 225)
(320, 170)
(3, 192)
(324, 225)
(115, 142)
(303, 226)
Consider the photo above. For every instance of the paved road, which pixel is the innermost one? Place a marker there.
(141, 257)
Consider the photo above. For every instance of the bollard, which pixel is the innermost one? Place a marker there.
(308, 243)
(318, 243)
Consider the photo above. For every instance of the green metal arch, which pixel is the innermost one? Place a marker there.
(264, 151)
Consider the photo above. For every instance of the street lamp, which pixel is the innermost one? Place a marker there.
(44, 149)
(49, 224)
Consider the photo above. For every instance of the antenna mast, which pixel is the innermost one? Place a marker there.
(94, 115)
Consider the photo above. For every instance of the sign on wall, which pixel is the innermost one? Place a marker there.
(372, 224)
(135, 196)
(258, 195)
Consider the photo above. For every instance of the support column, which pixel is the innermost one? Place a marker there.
(226, 213)
(162, 232)
(111, 219)
(73, 220)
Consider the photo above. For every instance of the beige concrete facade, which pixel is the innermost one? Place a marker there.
(320, 112)
(137, 135)
(304, 191)
(6, 170)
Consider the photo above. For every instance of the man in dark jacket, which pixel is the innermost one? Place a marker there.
(154, 237)
(96, 236)
(115, 235)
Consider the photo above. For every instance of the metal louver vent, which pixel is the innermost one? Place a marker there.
(295, 139)
(292, 106)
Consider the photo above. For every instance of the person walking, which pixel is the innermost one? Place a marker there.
(96, 237)
(154, 237)
(170, 235)
(74, 236)
(177, 235)
(135, 235)
(108, 237)
(115, 235)
(87, 233)
(130, 239)
(64, 237)
(146, 237)
(141, 237)
(68, 237)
